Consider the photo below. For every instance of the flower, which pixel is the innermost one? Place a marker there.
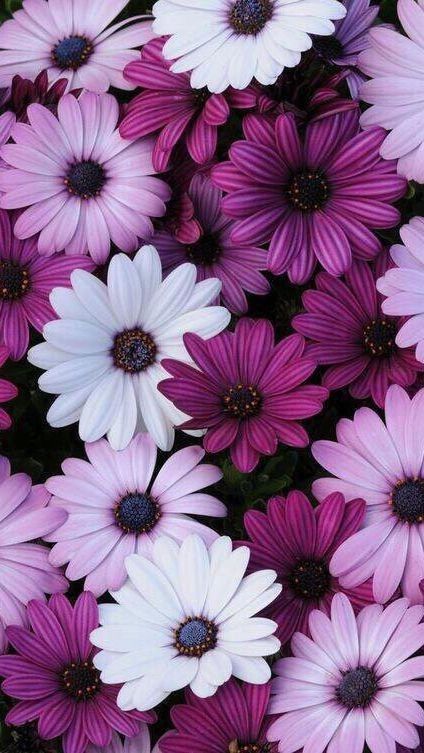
(138, 744)
(238, 267)
(70, 40)
(15, 99)
(26, 280)
(189, 621)
(246, 391)
(25, 571)
(382, 463)
(232, 721)
(169, 105)
(230, 42)
(114, 509)
(351, 335)
(54, 677)
(315, 198)
(298, 542)
(351, 683)
(350, 38)
(103, 356)
(404, 285)
(7, 391)
(396, 65)
(82, 183)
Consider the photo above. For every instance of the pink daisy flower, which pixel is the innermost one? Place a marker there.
(26, 281)
(115, 507)
(138, 744)
(353, 682)
(383, 464)
(71, 39)
(7, 391)
(83, 185)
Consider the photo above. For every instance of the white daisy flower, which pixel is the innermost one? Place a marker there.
(230, 42)
(187, 618)
(103, 355)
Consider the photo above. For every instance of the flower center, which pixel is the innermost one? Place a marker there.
(328, 47)
(242, 401)
(133, 351)
(85, 179)
(379, 337)
(310, 579)
(137, 513)
(407, 501)
(195, 636)
(308, 190)
(206, 251)
(357, 688)
(72, 52)
(250, 16)
(14, 281)
(236, 747)
(82, 681)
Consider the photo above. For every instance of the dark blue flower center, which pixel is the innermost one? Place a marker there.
(250, 16)
(137, 513)
(133, 351)
(81, 681)
(310, 579)
(308, 190)
(329, 47)
(242, 401)
(72, 52)
(14, 281)
(357, 688)
(205, 252)
(407, 501)
(379, 337)
(195, 636)
(85, 179)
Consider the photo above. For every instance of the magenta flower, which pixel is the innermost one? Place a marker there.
(232, 721)
(315, 198)
(15, 99)
(213, 253)
(26, 281)
(352, 683)
(170, 106)
(246, 391)
(7, 391)
(54, 678)
(82, 183)
(25, 572)
(350, 334)
(298, 542)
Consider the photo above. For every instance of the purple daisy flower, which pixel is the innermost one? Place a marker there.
(7, 391)
(232, 721)
(25, 571)
(138, 744)
(246, 391)
(298, 542)
(214, 254)
(169, 105)
(26, 281)
(82, 183)
(16, 98)
(54, 678)
(315, 198)
(351, 335)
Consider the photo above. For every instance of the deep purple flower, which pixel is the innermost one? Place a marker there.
(315, 197)
(7, 391)
(232, 721)
(246, 391)
(22, 92)
(298, 542)
(170, 106)
(351, 335)
(213, 253)
(55, 680)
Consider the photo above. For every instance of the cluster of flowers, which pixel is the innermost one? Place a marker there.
(142, 287)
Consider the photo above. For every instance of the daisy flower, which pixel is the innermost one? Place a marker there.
(25, 571)
(7, 391)
(55, 681)
(138, 744)
(189, 620)
(71, 39)
(213, 253)
(349, 333)
(246, 391)
(230, 42)
(395, 63)
(298, 541)
(404, 286)
(26, 280)
(103, 355)
(382, 463)
(116, 507)
(313, 197)
(83, 185)
(353, 682)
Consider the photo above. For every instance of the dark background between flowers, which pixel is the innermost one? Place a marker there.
(35, 448)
